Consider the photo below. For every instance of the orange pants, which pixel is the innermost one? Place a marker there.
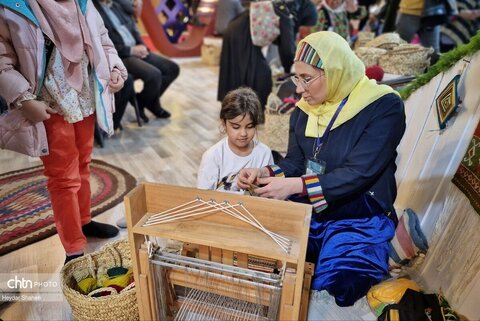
(67, 168)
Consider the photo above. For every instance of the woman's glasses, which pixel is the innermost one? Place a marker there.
(298, 81)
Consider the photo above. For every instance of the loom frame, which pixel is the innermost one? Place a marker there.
(214, 232)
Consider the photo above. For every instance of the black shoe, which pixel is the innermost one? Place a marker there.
(159, 112)
(143, 116)
(100, 230)
(163, 114)
(68, 258)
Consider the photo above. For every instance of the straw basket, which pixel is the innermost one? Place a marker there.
(369, 55)
(121, 306)
(276, 131)
(406, 59)
(387, 41)
(363, 38)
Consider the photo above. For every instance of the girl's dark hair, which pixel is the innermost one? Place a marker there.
(241, 101)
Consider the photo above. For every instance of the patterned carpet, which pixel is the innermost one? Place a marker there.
(25, 212)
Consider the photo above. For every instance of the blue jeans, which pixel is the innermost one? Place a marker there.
(409, 25)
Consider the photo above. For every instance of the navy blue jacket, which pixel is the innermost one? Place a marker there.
(359, 179)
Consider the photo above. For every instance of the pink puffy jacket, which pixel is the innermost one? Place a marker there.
(23, 64)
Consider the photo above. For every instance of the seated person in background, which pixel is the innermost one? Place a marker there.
(461, 28)
(221, 163)
(335, 15)
(133, 9)
(227, 10)
(156, 72)
(341, 159)
(121, 101)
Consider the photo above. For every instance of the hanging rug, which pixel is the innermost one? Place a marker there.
(467, 177)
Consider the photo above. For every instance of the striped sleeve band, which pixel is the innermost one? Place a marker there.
(315, 192)
(275, 171)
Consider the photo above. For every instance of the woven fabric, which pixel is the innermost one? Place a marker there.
(25, 211)
(447, 102)
(467, 177)
(308, 55)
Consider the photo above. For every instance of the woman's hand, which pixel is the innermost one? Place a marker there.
(249, 176)
(279, 188)
(116, 81)
(469, 14)
(36, 111)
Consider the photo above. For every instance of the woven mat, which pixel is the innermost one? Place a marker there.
(467, 177)
(25, 212)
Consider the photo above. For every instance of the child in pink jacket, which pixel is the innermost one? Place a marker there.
(58, 66)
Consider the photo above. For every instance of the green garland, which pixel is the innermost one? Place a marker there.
(445, 62)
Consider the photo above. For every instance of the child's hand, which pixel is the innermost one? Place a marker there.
(249, 176)
(116, 81)
(36, 111)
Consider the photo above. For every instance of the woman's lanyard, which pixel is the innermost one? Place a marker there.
(320, 140)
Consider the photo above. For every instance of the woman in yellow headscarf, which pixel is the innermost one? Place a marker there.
(341, 159)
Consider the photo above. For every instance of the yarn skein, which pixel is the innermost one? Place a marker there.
(87, 285)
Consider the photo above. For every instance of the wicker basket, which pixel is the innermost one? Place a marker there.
(387, 41)
(406, 59)
(363, 38)
(369, 55)
(276, 131)
(121, 306)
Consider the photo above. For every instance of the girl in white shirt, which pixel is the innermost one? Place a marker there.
(239, 116)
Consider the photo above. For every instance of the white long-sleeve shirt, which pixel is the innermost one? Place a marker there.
(220, 165)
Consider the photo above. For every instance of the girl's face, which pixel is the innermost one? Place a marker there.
(312, 84)
(240, 132)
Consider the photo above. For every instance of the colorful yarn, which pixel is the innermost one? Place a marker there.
(388, 292)
(116, 271)
(118, 288)
(374, 72)
(87, 285)
(121, 280)
(101, 279)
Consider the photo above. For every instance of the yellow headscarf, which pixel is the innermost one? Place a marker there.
(345, 75)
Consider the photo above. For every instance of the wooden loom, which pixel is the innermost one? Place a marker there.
(226, 242)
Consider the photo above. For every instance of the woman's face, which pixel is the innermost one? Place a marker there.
(334, 4)
(312, 84)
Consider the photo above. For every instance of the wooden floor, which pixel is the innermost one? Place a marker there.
(165, 151)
